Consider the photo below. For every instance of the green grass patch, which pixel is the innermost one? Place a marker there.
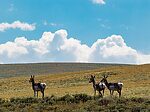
(75, 102)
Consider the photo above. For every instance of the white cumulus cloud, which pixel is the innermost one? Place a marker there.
(17, 24)
(98, 1)
(143, 58)
(58, 47)
(112, 49)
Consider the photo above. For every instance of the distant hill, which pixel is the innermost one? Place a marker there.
(12, 70)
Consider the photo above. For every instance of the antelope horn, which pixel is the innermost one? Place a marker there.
(106, 76)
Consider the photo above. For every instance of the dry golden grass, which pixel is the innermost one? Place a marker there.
(136, 81)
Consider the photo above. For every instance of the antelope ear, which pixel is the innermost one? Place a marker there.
(94, 76)
(106, 76)
(31, 76)
(91, 75)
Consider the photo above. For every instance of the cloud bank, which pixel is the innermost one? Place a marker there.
(98, 1)
(17, 24)
(58, 47)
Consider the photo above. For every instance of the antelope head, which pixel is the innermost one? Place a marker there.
(91, 79)
(31, 78)
(104, 78)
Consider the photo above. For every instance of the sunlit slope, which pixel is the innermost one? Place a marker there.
(136, 81)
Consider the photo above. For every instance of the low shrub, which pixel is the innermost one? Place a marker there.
(24, 100)
(104, 102)
(82, 97)
(76, 102)
(67, 98)
(138, 100)
(2, 101)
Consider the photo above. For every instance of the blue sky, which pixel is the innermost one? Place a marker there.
(83, 20)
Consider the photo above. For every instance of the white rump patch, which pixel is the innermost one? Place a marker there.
(102, 85)
(120, 83)
(43, 85)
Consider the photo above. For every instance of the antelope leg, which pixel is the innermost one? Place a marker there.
(37, 94)
(34, 93)
(103, 92)
(100, 94)
(112, 92)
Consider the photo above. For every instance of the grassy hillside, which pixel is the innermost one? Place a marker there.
(14, 70)
(136, 81)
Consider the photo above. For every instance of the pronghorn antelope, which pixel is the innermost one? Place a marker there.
(37, 86)
(97, 86)
(112, 86)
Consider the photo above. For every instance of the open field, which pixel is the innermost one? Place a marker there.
(136, 89)
(136, 81)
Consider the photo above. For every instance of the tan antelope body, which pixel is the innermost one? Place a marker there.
(97, 86)
(37, 86)
(113, 86)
